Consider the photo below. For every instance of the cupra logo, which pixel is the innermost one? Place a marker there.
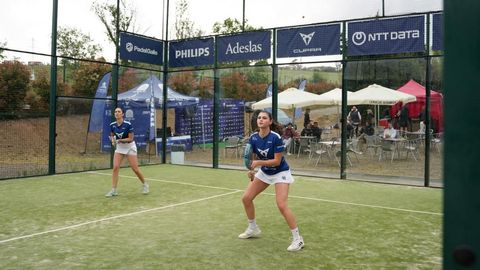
(358, 38)
(307, 38)
(129, 47)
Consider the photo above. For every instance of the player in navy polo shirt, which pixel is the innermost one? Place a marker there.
(267, 146)
(121, 136)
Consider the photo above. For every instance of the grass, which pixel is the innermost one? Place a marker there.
(193, 215)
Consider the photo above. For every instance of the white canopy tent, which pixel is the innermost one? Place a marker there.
(376, 94)
(334, 97)
(291, 98)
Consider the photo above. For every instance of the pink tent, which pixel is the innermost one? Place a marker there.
(414, 108)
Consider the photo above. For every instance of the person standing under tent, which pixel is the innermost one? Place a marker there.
(356, 119)
(121, 136)
(267, 146)
(306, 118)
(403, 119)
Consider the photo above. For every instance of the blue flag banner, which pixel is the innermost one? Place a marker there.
(197, 52)
(141, 49)
(96, 115)
(387, 36)
(437, 41)
(249, 46)
(269, 91)
(309, 41)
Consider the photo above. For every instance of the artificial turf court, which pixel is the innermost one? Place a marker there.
(192, 216)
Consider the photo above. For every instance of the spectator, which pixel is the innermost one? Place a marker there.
(355, 118)
(403, 119)
(389, 132)
(316, 131)
(370, 118)
(307, 131)
(306, 118)
(288, 136)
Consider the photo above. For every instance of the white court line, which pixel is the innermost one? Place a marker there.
(114, 217)
(290, 196)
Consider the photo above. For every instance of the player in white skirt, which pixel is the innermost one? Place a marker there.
(267, 148)
(121, 136)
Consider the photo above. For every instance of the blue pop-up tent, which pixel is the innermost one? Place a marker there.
(139, 104)
(152, 86)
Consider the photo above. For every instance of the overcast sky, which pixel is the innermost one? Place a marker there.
(26, 24)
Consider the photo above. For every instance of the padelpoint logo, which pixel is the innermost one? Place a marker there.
(129, 47)
(358, 38)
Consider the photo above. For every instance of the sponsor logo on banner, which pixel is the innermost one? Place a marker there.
(191, 53)
(249, 46)
(309, 41)
(141, 49)
(400, 35)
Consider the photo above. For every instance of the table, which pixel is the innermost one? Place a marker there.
(185, 140)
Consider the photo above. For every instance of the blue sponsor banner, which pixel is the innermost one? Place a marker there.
(249, 46)
(197, 52)
(437, 40)
(309, 41)
(401, 35)
(141, 49)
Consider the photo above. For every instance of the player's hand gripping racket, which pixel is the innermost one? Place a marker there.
(247, 159)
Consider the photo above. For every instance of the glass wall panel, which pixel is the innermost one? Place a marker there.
(26, 25)
(315, 126)
(82, 29)
(384, 141)
(140, 95)
(24, 116)
(190, 118)
(77, 149)
(437, 124)
(240, 88)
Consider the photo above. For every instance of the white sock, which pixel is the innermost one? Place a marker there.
(252, 223)
(295, 233)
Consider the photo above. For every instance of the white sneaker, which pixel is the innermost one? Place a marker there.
(146, 188)
(296, 245)
(255, 232)
(111, 193)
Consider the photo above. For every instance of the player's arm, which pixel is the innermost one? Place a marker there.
(128, 139)
(112, 138)
(269, 163)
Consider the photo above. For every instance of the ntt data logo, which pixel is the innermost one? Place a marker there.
(129, 47)
(358, 38)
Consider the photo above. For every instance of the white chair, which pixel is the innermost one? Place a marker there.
(232, 143)
(387, 147)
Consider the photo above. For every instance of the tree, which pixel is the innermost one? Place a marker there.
(73, 43)
(14, 80)
(87, 77)
(184, 27)
(107, 13)
(230, 26)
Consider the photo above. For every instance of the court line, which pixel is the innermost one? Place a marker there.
(115, 217)
(290, 196)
